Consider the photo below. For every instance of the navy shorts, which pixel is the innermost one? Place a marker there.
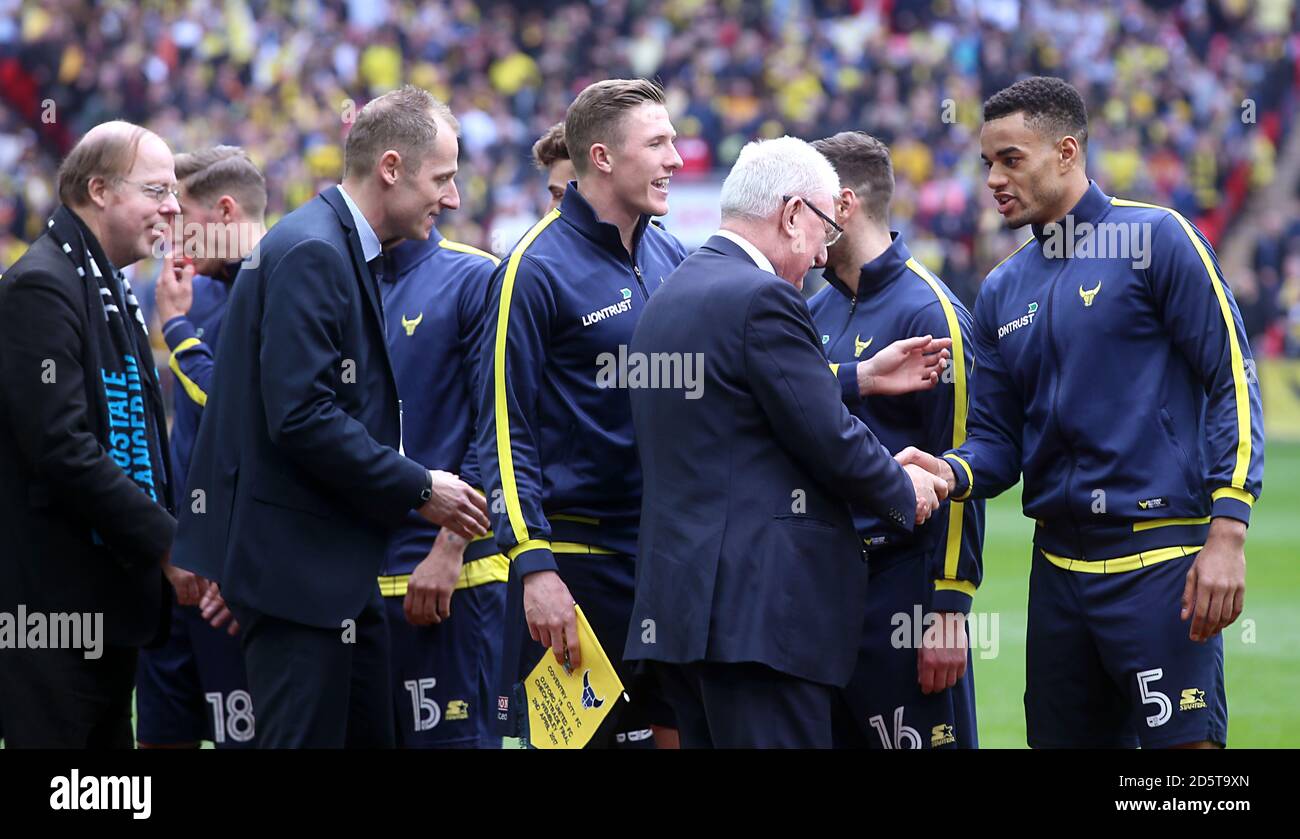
(603, 585)
(883, 706)
(1109, 663)
(442, 674)
(194, 687)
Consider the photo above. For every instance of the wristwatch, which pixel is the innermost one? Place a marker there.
(427, 492)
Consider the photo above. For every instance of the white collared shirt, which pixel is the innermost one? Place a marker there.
(749, 249)
(370, 245)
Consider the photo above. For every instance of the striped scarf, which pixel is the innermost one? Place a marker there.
(130, 413)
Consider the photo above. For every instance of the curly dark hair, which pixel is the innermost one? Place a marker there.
(1051, 106)
(550, 148)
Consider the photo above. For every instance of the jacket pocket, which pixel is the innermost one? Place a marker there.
(1190, 479)
(291, 496)
(804, 521)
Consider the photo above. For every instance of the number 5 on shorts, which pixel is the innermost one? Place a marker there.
(1154, 697)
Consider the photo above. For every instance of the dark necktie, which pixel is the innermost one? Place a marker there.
(382, 270)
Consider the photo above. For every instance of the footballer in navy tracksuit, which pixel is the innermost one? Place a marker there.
(1121, 385)
(434, 292)
(556, 446)
(937, 567)
(194, 687)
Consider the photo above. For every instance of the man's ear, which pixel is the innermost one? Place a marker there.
(1071, 154)
(390, 162)
(600, 158)
(789, 212)
(848, 205)
(97, 187)
(228, 208)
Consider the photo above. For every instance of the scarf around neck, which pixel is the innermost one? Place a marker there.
(130, 412)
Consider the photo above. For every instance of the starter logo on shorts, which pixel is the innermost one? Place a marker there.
(1024, 320)
(1192, 699)
(457, 709)
(622, 306)
(941, 735)
(409, 325)
(589, 698)
(858, 346)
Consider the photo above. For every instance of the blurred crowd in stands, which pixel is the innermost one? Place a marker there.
(1190, 100)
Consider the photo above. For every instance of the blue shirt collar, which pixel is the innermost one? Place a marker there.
(370, 245)
(576, 211)
(1089, 209)
(406, 255)
(878, 271)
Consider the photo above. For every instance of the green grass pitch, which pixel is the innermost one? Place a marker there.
(1263, 675)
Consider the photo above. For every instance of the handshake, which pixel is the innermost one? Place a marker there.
(932, 478)
(456, 506)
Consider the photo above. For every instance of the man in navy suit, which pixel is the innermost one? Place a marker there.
(297, 473)
(751, 581)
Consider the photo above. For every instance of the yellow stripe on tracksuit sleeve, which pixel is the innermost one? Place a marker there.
(1240, 392)
(191, 389)
(461, 247)
(505, 458)
(476, 572)
(956, 509)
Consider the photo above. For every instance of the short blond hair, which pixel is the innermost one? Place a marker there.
(404, 120)
(209, 173)
(596, 116)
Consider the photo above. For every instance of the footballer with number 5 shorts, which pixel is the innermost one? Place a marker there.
(1114, 373)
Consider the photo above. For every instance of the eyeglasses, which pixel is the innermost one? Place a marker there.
(833, 232)
(156, 192)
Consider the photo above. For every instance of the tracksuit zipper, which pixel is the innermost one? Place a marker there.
(645, 295)
(1056, 401)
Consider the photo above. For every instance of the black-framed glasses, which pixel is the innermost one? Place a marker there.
(156, 192)
(833, 232)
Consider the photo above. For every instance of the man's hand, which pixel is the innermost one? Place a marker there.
(936, 466)
(929, 491)
(174, 294)
(941, 661)
(1215, 592)
(456, 505)
(189, 586)
(552, 618)
(905, 366)
(215, 612)
(428, 594)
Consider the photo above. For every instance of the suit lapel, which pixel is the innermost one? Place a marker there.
(364, 277)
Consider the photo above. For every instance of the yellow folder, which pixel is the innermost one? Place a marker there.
(565, 709)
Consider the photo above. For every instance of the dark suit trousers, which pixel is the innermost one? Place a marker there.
(59, 699)
(746, 706)
(319, 688)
